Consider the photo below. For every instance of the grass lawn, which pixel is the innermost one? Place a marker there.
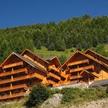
(48, 54)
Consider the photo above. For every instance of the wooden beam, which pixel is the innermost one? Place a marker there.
(52, 67)
(34, 75)
(78, 62)
(54, 75)
(82, 68)
(13, 72)
(13, 87)
(13, 96)
(13, 65)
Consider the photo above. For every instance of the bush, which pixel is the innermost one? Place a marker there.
(37, 96)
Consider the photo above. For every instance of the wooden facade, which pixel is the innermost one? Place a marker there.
(19, 72)
(85, 67)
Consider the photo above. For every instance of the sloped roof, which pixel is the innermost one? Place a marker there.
(97, 56)
(85, 55)
(28, 51)
(23, 59)
(68, 60)
(56, 60)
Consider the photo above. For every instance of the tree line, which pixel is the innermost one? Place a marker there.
(78, 32)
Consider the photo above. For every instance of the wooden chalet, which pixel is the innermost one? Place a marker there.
(83, 67)
(51, 66)
(19, 72)
(17, 75)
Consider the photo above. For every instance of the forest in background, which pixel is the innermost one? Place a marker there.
(75, 33)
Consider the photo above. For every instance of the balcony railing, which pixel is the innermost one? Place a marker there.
(15, 95)
(13, 72)
(13, 87)
(51, 82)
(54, 76)
(75, 77)
(63, 75)
(78, 62)
(13, 65)
(54, 68)
(34, 75)
(82, 68)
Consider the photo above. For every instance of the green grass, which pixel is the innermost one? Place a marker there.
(13, 104)
(43, 52)
(48, 54)
(76, 95)
(62, 55)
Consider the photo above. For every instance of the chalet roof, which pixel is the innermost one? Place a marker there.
(23, 59)
(56, 60)
(28, 51)
(66, 62)
(87, 56)
(97, 56)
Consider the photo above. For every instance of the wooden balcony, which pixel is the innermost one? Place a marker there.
(13, 87)
(54, 76)
(63, 75)
(54, 68)
(13, 72)
(82, 68)
(13, 96)
(75, 77)
(34, 75)
(51, 82)
(38, 76)
(78, 62)
(13, 65)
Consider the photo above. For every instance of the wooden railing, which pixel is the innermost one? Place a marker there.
(13, 65)
(78, 62)
(75, 77)
(13, 72)
(34, 75)
(13, 87)
(54, 68)
(63, 75)
(82, 68)
(15, 95)
(54, 76)
(51, 82)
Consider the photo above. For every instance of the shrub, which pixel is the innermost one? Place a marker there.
(37, 96)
